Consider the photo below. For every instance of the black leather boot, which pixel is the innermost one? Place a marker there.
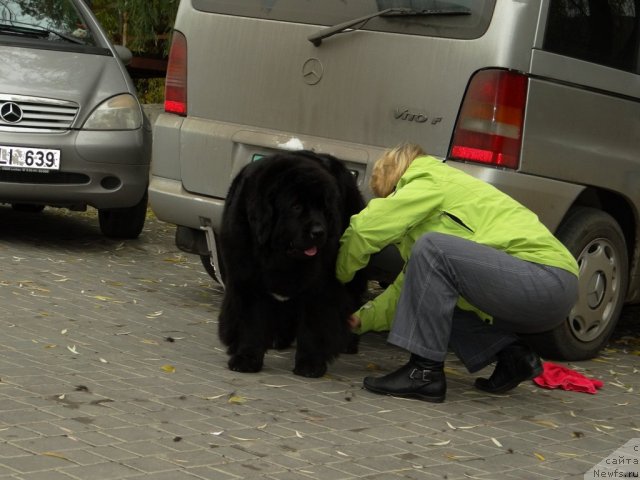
(516, 363)
(420, 378)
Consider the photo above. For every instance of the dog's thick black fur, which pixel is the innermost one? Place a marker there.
(281, 226)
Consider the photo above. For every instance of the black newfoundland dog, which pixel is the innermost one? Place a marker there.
(281, 225)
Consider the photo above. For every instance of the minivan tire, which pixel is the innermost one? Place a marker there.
(596, 240)
(123, 222)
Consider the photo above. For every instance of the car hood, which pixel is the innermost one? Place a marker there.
(85, 78)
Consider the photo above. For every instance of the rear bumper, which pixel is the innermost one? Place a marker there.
(550, 199)
(173, 204)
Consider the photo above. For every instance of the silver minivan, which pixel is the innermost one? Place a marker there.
(541, 98)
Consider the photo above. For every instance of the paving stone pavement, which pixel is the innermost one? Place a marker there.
(110, 368)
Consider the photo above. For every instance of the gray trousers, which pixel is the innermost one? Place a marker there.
(521, 296)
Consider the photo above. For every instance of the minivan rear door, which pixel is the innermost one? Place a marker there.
(389, 78)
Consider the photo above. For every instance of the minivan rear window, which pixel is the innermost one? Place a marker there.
(604, 32)
(333, 12)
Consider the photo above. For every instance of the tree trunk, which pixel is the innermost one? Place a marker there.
(125, 27)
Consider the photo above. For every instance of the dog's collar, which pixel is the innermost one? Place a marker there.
(280, 298)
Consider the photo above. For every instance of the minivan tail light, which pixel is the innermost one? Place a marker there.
(489, 127)
(175, 90)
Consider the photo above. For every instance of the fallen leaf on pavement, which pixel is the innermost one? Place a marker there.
(236, 399)
(440, 444)
(55, 455)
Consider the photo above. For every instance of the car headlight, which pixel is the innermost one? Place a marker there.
(121, 112)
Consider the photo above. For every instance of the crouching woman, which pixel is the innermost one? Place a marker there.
(480, 269)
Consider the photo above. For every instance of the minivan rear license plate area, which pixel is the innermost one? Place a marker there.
(31, 158)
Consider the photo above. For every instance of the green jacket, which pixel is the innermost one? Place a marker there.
(432, 196)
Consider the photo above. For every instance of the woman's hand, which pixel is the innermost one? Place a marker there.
(354, 322)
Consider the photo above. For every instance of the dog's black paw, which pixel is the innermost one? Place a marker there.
(351, 346)
(310, 368)
(245, 363)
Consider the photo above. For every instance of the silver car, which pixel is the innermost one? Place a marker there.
(72, 132)
(541, 98)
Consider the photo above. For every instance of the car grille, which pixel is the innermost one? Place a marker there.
(35, 113)
(10, 176)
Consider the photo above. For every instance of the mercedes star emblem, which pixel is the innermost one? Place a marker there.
(10, 112)
(312, 71)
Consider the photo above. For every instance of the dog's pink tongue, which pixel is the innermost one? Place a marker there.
(310, 252)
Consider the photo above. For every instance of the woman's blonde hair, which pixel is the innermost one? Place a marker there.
(391, 166)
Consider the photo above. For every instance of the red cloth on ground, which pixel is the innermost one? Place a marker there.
(557, 376)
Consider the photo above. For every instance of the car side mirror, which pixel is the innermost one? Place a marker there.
(124, 53)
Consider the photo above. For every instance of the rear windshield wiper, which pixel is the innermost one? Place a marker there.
(34, 31)
(317, 37)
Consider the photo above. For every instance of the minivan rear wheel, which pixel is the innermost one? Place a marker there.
(123, 222)
(597, 242)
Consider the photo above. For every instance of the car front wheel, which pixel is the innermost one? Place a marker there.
(597, 242)
(123, 222)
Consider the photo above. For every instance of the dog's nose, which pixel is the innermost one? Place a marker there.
(317, 231)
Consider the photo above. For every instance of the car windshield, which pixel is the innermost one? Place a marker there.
(45, 20)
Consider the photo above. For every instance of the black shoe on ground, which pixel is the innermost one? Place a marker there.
(516, 363)
(420, 378)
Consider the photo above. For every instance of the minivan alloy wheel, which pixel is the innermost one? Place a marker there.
(599, 290)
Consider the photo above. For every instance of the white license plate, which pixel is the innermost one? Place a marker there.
(29, 158)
